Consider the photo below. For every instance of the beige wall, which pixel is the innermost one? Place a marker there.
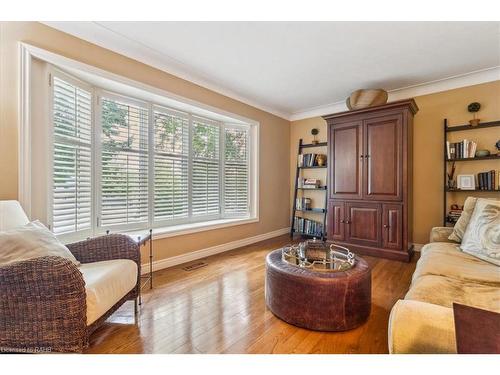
(274, 132)
(428, 147)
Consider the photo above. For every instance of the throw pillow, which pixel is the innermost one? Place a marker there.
(482, 236)
(32, 240)
(463, 220)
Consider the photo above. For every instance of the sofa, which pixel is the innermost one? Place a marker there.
(50, 304)
(423, 321)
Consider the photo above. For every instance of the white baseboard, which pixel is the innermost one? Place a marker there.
(417, 247)
(203, 253)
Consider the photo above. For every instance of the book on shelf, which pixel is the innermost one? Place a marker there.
(307, 226)
(453, 215)
(488, 180)
(308, 160)
(308, 183)
(464, 149)
(303, 204)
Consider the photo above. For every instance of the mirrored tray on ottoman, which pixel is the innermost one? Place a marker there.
(319, 256)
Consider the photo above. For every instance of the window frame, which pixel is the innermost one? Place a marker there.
(97, 127)
(165, 228)
(55, 72)
(220, 128)
(248, 161)
(172, 222)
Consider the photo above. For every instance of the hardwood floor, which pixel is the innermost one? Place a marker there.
(220, 308)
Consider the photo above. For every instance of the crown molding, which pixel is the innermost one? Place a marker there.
(104, 37)
(100, 35)
(449, 83)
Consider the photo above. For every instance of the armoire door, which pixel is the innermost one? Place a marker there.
(336, 221)
(363, 223)
(392, 226)
(345, 149)
(383, 164)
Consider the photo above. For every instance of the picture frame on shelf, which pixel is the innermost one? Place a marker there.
(466, 182)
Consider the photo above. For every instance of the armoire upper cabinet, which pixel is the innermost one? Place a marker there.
(346, 150)
(369, 172)
(382, 157)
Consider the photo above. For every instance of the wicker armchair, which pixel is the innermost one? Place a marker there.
(43, 300)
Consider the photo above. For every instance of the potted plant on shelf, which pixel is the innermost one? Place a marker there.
(314, 133)
(474, 108)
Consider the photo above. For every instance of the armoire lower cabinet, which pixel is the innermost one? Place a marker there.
(369, 179)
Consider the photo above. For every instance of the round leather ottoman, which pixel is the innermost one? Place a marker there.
(322, 301)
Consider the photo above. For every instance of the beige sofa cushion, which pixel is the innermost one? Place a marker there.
(446, 259)
(444, 291)
(482, 236)
(106, 283)
(29, 241)
(420, 327)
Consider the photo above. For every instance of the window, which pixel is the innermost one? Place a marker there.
(171, 147)
(206, 171)
(121, 163)
(236, 171)
(72, 150)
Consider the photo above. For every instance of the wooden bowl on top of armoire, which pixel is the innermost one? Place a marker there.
(365, 98)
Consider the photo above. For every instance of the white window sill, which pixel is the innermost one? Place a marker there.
(189, 228)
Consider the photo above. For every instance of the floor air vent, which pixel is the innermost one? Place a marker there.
(194, 266)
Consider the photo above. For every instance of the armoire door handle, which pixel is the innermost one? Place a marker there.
(386, 226)
(342, 221)
(361, 156)
(347, 222)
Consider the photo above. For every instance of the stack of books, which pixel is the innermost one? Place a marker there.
(453, 215)
(488, 180)
(307, 160)
(303, 204)
(307, 226)
(309, 183)
(461, 150)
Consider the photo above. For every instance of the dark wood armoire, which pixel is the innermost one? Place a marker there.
(370, 179)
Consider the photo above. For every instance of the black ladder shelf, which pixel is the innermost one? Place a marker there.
(320, 211)
(446, 190)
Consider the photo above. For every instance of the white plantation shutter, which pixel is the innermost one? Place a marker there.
(206, 168)
(236, 170)
(131, 164)
(71, 178)
(124, 163)
(171, 153)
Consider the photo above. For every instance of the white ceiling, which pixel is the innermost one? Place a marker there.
(294, 69)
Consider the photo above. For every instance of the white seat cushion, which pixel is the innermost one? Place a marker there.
(106, 283)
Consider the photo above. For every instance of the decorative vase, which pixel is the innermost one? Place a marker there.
(366, 98)
(474, 122)
(482, 153)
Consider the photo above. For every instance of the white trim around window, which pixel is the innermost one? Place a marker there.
(163, 229)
